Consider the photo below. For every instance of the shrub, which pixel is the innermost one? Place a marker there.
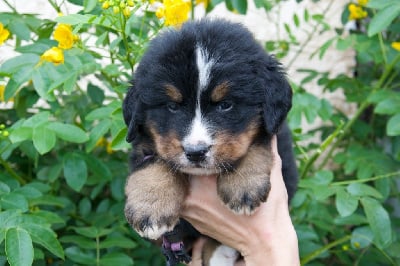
(63, 155)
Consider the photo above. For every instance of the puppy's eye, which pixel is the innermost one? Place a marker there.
(173, 107)
(224, 106)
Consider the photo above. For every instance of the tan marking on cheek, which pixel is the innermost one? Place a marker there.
(168, 147)
(173, 93)
(233, 147)
(220, 91)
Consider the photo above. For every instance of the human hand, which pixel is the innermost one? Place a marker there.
(267, 236)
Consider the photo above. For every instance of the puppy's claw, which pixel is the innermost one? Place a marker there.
(244, 200)
(149, 226)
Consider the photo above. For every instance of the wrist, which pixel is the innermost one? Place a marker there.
(274, 248)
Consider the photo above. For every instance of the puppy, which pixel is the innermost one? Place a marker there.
(206, 99)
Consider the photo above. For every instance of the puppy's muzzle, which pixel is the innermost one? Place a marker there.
(196, 153)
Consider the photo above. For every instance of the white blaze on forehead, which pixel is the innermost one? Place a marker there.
(199, 130)
(204, 65)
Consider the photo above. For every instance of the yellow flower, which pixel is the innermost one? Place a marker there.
(356, 12)
(175, 12)
(63, 34)
(363, 2)
(396, 46)
(54, 55)
(4, 33)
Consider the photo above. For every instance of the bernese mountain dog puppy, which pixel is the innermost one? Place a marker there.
(206, 100)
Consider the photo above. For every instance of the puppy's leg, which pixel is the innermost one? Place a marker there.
(248, 185)
(154, 197)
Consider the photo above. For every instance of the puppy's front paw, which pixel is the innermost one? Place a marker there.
(151, 221)
(244, 198)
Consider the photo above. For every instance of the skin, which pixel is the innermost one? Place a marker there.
(267, 237)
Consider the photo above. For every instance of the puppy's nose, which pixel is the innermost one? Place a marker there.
(196, 153)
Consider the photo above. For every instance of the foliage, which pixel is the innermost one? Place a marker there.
(63, 155)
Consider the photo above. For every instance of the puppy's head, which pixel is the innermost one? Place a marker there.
(203, 93)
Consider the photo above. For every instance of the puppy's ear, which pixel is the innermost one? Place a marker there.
(130, 109)
(278, 96)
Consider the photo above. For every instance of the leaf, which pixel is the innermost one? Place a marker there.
(43, 139)
(45, 237)
(89, 5)
(75, 171)
(119, 141)
(68, 132)
(91, 231)
(346, 204)
(379, 221)
(77, 255)
(21, 134)
(18, 247)
(100, 113)
(383, 19)
(118, 241)
(14, 201)
(14, 64)
(361, 190)
(116, 258)
(361, 237)
(388, 106)
(96, 133)
(239, 6)
(393, 126)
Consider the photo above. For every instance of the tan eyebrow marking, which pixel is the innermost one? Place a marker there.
(173, 93)
(220, 91)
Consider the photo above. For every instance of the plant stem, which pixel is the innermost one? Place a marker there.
(361, 109)
(12, 172)
(319, 251)
(309, 37)
(347, 182)
(97, 250)
(14, 10)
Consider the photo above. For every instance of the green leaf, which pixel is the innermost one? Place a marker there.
(379, 221)
(379, 4)
(89, 5)
(361, 237)
(68, 132)
(383, 19)
(45, 237)
(42, 82)
(118, 241)
(119, 141)
(21, 134)
(393, 126)
(97, 167)
(100, 113)
(97, 132)
(18, 247)
(79, 256)
(361, 190)
(14, 64)
(239, 6)
(346, 204)
(14, 201)
(75, 171)
(43, 139)
(116, 258)
(19, 28)
(37, 119)
(388, 106)
(92, 231)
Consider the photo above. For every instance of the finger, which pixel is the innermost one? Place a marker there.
(275, 153)
(197, 251)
